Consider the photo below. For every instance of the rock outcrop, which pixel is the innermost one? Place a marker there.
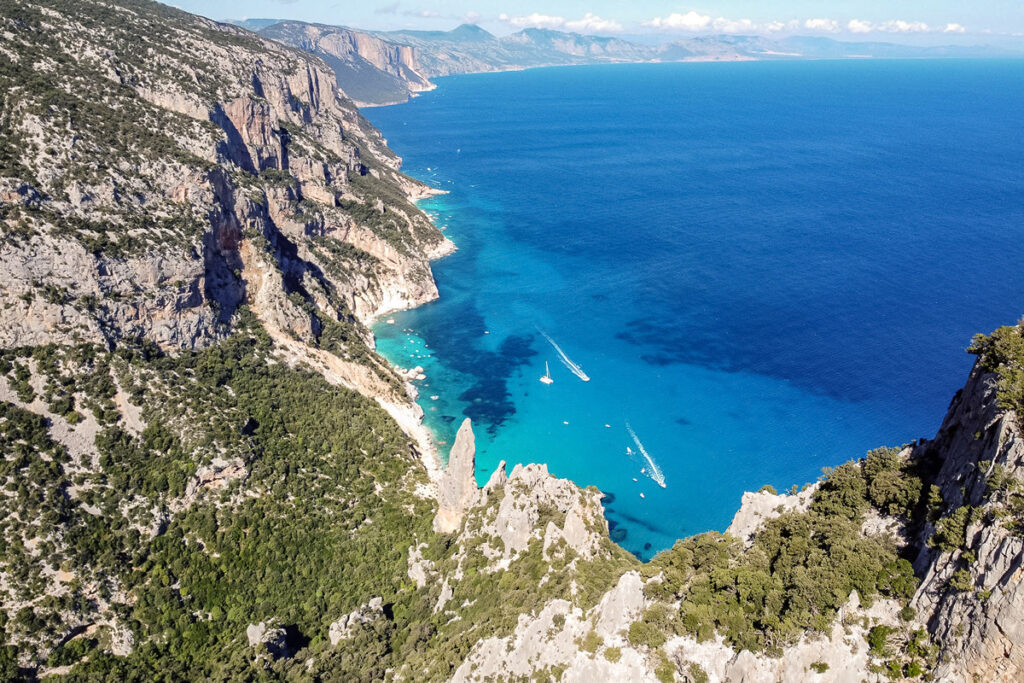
(511, 511)
(216, 476)
(552, 638)
(757, 508)
(973, 596)
(457, 491)
(365, 614)
(369, 68)
(270, 635)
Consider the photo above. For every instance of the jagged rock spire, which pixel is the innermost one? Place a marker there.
(457, 490)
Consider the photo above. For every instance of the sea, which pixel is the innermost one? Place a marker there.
(764, 269)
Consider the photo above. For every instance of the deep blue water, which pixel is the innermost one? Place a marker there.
(765, 268)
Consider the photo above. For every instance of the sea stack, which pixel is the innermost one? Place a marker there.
(457, 490)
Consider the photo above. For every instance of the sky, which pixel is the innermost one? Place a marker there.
(917, 21)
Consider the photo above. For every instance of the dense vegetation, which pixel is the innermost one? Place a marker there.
(323, 524)
(321, 521)
(800, 569)
(1002, 352)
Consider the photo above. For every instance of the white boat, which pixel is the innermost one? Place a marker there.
(566, 361)
(655, 473)
(642, 495)
(546, 379)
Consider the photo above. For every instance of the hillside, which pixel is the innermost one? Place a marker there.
(388, 67)
(209, 474)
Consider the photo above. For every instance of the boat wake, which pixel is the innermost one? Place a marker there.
(652, 470)
(566, 361)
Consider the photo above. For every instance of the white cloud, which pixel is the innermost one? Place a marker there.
(691, 21)
(776, 26)
(824, 25)
(535, 20)
(859, 26)
(900, 26)
(591, 23)
(695, 22)
(728, 26)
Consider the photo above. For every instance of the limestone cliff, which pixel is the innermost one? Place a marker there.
(207, 169)
(965, 616)
(371, 69)
(972, 593)
(377, 68)
(457, 490)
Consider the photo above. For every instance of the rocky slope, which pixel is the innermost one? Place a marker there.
(169, 188)
(971, 557)
(203, 474)
(203, 169)
(388, 67)
(962, 622)
(371, 69)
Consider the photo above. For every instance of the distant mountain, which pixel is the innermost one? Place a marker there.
(465, 33)
(255, 24)
(386, 67)
(369, 69)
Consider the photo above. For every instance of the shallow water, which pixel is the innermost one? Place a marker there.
(765, 268)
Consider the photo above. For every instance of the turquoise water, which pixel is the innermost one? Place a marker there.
(764, 268)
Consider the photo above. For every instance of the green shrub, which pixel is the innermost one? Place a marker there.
(878, 639)
(961, 581)
(697, 673)
(665, 671)
(1002, 352)
(951, 531)
(592, 641)
(643, 634)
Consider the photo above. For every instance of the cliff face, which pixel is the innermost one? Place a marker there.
(204, 169)
(963, 622)
(371, 70)
(198, 227)
(389, 67)
(972, 592)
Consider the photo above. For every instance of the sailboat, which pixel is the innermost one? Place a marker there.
(566, 361)
(546, 379)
